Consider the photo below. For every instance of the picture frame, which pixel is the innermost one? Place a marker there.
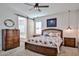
(9, 23)
(52, 22)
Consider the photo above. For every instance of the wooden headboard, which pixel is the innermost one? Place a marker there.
(53, 30)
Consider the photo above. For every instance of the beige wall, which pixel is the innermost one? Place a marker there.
(8, 13)
(62, 23)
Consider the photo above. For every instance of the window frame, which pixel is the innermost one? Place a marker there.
(37, 30)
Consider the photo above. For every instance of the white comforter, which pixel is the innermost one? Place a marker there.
(47, 41)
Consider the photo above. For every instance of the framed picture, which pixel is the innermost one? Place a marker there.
(52, 22)
(9, 23)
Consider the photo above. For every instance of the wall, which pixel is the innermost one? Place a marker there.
(78, 26)
(62, 23)
(6, 12)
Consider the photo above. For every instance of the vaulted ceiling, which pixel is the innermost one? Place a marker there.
(53, 8)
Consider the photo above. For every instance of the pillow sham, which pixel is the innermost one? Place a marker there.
(58, 34)
(45, 33)
(54, 34)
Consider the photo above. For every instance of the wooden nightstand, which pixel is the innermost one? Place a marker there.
(69, 42)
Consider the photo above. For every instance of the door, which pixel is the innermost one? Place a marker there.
(22, 22)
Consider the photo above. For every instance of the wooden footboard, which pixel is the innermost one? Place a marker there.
(41, 49)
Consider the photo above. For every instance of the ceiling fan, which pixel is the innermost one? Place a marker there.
(37, 6)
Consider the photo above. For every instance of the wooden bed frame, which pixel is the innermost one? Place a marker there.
(49, 51)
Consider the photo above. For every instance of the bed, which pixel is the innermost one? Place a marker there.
(46, 44)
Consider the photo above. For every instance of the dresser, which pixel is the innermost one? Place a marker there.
(69, 41)
(10, 39)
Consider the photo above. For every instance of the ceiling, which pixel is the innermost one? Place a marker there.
(53, 8)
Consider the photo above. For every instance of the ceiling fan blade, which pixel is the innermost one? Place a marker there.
(28, 4)
(43, 6)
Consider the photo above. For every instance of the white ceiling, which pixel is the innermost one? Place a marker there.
(53, 8)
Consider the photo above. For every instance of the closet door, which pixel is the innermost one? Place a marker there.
(16, 38)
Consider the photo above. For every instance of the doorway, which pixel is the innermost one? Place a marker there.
(22, 22)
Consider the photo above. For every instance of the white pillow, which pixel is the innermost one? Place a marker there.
(45, 33)
(54, 34)
(57, 34)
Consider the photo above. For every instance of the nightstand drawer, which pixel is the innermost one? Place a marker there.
(69, 42)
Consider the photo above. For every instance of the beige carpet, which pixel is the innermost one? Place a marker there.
(21, 51)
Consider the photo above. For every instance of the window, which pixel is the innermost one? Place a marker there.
(22, 22)
(38, 27)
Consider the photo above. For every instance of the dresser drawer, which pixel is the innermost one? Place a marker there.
(69, 40)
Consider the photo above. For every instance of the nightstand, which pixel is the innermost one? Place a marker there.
(69, 41)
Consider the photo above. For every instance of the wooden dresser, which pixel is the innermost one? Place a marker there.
(10, 39)
(69, 42)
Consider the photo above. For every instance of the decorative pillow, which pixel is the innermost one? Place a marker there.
(52, 34)
(45, 33)
(57, 34)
